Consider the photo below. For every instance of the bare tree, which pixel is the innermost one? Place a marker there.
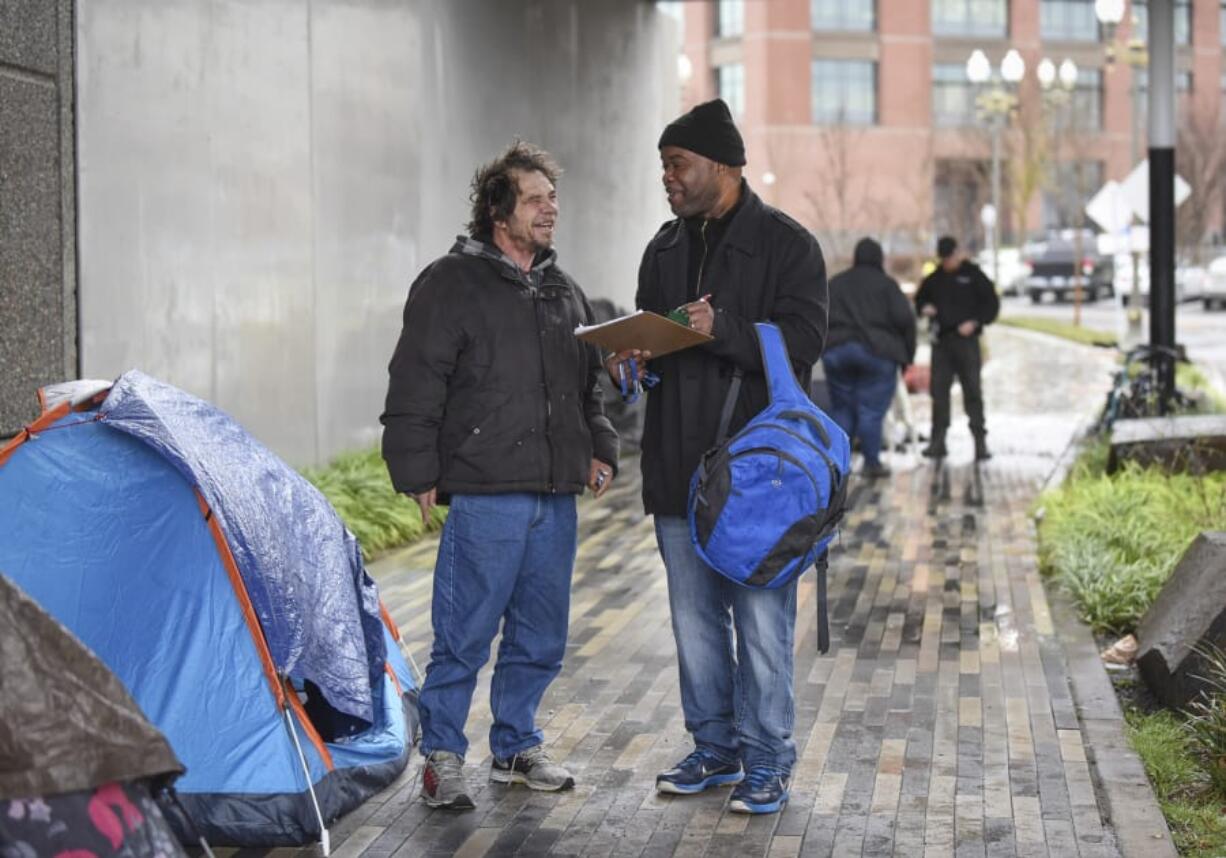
(840, 195)
(1027, 152)
(1200, 159)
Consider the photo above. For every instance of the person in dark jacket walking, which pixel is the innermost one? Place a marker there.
(872, 335)
(731, 260)
(494, 404)
(959, 300)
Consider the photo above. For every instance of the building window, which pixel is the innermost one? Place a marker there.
(970, 17)
(1068, 21)
(953, 96)
(1183, 20)
(1221, 23)
(730, 84)
(729, 18)
(856, 15)
(1072, 183)
(844, 92)
(1086, 104)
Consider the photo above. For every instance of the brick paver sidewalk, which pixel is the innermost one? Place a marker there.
(941, 723)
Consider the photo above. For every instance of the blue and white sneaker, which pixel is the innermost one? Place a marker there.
(701, 770)
(764, 790)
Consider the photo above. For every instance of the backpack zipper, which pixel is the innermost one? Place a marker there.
(830, 466)
(702, 263)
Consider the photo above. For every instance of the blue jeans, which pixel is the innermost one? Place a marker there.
(502, 558)
(737, 700)
(861, 388)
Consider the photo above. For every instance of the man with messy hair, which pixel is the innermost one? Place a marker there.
(494, 407)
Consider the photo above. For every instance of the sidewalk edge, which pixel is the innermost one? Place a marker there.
(1131, 808)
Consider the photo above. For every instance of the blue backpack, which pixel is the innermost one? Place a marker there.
(765, 503)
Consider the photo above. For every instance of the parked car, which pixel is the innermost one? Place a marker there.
(1191, 281)
(1013, 269)
(1214, 294)
(1053, 262)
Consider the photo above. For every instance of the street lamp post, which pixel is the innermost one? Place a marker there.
(1057, 86)
(1110, 13)
(996, 103)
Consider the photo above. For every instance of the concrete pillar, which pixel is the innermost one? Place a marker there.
(38, 282)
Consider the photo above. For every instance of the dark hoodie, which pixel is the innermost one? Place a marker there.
(867, 306)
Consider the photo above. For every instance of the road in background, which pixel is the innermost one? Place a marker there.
(1202, 332)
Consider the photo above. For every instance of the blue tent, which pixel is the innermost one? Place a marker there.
(223, 591)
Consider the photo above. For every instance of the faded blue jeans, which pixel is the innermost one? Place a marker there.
(503, 559)
(861, 388)
(738, 700)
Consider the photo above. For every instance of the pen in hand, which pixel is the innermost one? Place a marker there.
(700, 315)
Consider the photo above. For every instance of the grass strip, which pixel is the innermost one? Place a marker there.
(1064, 330)
(1194, 809)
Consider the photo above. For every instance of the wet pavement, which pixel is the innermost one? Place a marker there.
(943, 722)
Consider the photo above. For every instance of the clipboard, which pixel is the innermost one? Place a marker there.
(642, 330)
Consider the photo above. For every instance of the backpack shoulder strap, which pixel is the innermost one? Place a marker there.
(725, 416)
(778, 366)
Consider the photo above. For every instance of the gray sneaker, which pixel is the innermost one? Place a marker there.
(442, 782)
(534, 768)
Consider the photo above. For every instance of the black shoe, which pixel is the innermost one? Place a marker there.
(982, 454)
(875, 471)
(764, 790)
(935, 450)
(700, 771)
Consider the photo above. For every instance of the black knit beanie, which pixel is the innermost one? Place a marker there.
(709, 131)
(946, 245)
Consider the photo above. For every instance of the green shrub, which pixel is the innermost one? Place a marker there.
(1207, 718)
(358, 487)
(1191, 378)
(1112, 541)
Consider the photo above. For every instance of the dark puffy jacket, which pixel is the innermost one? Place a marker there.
(767, 267)
(490, 391)
(867, 306)
(964, 295)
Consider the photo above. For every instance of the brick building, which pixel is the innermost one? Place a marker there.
(859, 116)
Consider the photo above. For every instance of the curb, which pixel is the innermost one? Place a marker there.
(1129, 805)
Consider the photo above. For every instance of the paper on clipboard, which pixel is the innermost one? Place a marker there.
(642, 330)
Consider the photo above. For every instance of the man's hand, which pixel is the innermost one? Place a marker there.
(640, 361)
(426, 501)
(928, 310)
(600, 477)
(967, 328)
(702, 316)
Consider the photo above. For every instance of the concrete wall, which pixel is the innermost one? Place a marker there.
(37, 265)
(260, 180)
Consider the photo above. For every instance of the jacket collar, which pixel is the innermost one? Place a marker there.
(742, 231)
(466, 245)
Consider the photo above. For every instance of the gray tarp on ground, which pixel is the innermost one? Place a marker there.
(66, 723)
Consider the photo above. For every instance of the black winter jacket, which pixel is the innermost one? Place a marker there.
(490, 392)
(766, 267)
(867, 306)
(965, 295)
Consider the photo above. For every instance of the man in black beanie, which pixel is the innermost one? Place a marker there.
(729, 260)
(960, 300)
